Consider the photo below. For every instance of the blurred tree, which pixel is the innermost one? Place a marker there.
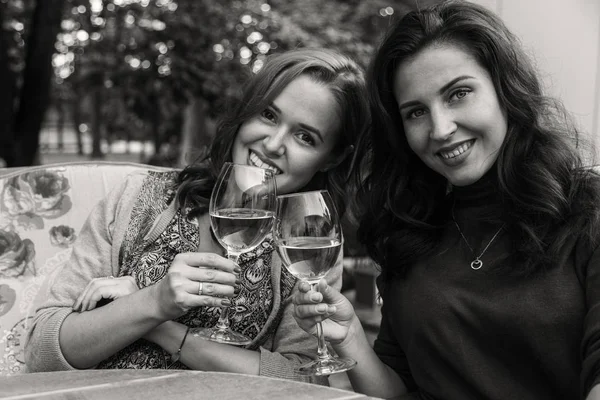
(152, 69)
(26, 86)
(196, 54)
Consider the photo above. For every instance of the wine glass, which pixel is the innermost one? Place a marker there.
(242, 209)
(309, 238)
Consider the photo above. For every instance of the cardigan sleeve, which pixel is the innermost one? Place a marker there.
(291, 346)
(92, 257)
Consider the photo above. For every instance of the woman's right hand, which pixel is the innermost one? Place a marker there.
(179, 290)
(326, 305)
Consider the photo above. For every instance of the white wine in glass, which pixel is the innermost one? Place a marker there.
(309, 237)
(242, 208)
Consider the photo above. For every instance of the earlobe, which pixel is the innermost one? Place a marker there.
(337, 160)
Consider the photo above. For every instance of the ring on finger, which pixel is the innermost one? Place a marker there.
(200, 284)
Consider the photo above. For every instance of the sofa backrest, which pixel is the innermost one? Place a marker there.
(42, 210)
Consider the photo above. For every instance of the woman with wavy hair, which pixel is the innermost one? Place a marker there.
(300, 116)
(483, 217)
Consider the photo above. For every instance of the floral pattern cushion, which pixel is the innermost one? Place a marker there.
(42, 210)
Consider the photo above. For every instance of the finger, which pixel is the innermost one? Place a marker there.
(187, 301)
(322, 285)
(78, 302)
(77, 305)
(102, 292)
(85, 302)
(209, 260)
(316, 312)
(212, 275)
(109, 288)
(330, 294)
(304, 286)
(309, 297)
(210, 289)
(107, 291)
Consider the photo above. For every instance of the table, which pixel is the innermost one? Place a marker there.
(160, 384)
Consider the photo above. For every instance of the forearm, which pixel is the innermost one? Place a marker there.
(370, 376)
(90, 337)
(204, 355)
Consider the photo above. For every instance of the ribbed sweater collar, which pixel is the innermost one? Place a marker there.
(482, 192)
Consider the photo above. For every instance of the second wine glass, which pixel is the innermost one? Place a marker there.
(308, 236)
(242, 207)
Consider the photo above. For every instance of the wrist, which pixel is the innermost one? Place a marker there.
(162, 334)
(177, 355)
(156, 305)
(355, 331)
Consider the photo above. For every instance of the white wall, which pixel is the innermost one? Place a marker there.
(563, 37)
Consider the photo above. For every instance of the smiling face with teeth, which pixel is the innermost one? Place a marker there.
(295, 136)
(450, 111)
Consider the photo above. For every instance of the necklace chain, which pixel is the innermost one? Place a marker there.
(476, 263)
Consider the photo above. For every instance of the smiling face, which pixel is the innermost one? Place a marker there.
(452, 118)
(294, 136)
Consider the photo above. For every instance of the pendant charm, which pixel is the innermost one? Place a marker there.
(476, 264)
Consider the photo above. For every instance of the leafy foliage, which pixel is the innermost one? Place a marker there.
(137, 63)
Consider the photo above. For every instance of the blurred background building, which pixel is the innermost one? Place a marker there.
(563, 36)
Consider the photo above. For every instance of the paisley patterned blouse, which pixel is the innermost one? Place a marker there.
(148, 261)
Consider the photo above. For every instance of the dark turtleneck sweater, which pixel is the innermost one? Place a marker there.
(455, 333)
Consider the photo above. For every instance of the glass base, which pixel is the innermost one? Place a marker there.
(220, 335)
(326, 366)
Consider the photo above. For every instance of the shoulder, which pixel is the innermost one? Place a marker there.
(585, 209)
(586, 191)
(151, 181)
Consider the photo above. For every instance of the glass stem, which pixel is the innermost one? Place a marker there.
(322, 351)
(223, 322)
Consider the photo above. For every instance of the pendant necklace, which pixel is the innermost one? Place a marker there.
(476, 263)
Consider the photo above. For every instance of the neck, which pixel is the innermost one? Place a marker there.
(479, 192)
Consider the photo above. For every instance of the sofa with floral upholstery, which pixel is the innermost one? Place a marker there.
(42, 210)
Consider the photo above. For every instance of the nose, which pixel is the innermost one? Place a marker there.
(274, 142)
(442, 124)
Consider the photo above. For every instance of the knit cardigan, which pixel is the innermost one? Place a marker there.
(99, 253)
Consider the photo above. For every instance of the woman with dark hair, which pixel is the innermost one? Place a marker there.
(480, 211)
(300, 117)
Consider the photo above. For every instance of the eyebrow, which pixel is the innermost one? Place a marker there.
(303, 126)
(442, 90)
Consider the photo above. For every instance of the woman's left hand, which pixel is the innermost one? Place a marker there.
(104, 288)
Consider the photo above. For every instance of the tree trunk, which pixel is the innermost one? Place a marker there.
(196, 133)
(37, 74)
(96, 123)
(155, 118)
(60, 124)
(76, 109)
(8, 88)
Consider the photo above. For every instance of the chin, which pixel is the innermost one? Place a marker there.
(464, 180)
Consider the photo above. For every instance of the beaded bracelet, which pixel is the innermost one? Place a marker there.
(175, 357)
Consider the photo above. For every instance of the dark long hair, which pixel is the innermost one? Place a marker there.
(546, 193)
(344, 78)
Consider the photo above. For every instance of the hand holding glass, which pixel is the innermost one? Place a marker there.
(242, 207)
(308, 236)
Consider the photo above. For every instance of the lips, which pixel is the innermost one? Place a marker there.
(453, 152)
(257, 162)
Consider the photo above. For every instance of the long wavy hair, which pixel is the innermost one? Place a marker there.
(340, 74)
(547, 194)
